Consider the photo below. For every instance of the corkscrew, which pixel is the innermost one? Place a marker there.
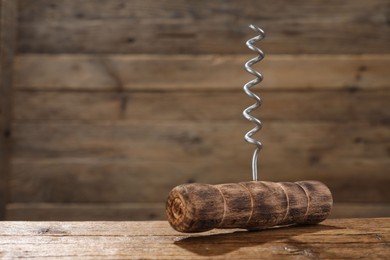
(252, 205)
(247, 87)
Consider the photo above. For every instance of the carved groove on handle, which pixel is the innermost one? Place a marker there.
(252, 203)
(287, 200)
(308, 200)
(224, 206)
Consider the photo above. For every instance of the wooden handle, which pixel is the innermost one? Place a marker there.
(200, 207)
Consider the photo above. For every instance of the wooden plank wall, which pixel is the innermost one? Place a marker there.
(118, 101)
(8, 21)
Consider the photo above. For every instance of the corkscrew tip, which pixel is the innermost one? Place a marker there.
(257, 29)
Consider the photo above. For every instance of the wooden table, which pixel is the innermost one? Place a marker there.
(335, 238)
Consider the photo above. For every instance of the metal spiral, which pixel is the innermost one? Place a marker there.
(247, 87)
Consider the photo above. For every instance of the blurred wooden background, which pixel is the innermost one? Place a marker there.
(110, 104)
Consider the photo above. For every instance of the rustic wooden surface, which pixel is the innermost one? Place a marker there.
(82, 155)
(8, 12)
(149, 211)
(332, 239)
(147, 26)
(111, 96)
(146, 72)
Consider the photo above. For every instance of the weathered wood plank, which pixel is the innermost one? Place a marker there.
(85, 211)
(373, 106)
(139, 26)
(204, 72)
(105, 160)
(8, 25)
(162, 228)
(149, 211)
(337, 238)
(186, 140)
(360, 210)
(122, 181)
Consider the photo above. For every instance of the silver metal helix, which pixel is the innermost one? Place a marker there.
(247, 87)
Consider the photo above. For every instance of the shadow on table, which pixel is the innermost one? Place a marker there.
(219, 244)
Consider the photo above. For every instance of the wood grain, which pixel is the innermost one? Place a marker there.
(139, 26)
(341, 238)
(54, 106)
(7, 44)
(187, 140)
(105, 91)
(149, 211)
(121, 181)
(253, 205)
(360, 210)
(201, 72)
(104, 159)
(85, 211)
